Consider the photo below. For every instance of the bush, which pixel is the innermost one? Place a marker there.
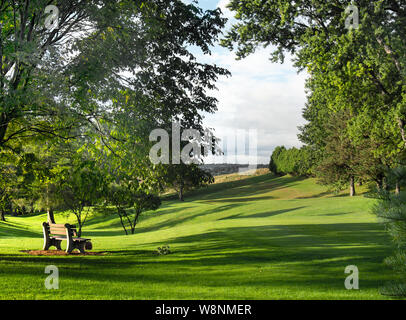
(391, 209)
(297, 162)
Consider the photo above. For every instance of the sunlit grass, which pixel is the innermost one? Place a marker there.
(256, 238)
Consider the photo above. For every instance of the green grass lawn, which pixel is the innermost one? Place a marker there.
(258, 238)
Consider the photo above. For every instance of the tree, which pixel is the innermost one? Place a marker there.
(391, 209)
(339, 164)
(130, 202)
(81, 185)
(39, 161)
(5, 194)
(15, 175)
(297, 162)
(184, 177)
(99, 83)
(273, 166)
(7, 178)
(106, 59)
(359, 72)
(397, 177)
(132, 188)
(351, 73)
(364, 66)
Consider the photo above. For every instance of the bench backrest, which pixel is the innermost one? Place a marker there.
(57, 229)
(60, 229)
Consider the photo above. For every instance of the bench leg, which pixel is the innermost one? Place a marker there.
(70, 246)
(50, 242)
(73, 245)
(81, 246)
(58, 244)
(47, 244)
(47, 239)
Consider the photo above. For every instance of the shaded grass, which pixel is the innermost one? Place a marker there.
(258, 238)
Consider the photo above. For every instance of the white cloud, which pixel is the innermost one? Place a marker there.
(260, 95)
(223, 6)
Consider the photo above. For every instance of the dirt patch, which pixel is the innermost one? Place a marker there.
(61, 253)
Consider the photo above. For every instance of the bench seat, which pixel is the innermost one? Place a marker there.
(74, 239)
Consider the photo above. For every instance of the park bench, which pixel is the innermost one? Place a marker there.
(54, 234)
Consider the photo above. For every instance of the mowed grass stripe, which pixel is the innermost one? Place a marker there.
(262, 237)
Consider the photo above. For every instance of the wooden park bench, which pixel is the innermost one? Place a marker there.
(54, 234)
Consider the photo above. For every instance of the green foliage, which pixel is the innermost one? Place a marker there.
(297, 162)
(391, 209)
(7, 182)
(78, 103)
(17, 174)
(130, 200)
(355, 109)
(163, 251)
(123, 63)
(360, 71)
(184, 177)
(80, 185)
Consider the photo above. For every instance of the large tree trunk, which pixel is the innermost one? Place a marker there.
(379, 183)
(401, 124)
(397, 188)
(352, 187)
(181, 195)
(2, 217)
(50, 214)
(385, 184)
(3, 127)
(181, 186)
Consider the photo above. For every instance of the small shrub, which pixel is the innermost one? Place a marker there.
(163, 251)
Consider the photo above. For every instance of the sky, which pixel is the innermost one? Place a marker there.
(264, 97)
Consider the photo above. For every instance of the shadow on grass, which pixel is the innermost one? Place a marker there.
(235, 192)
(187, 217)
(243, 188)
(298, 257)
(12, 230)
(266, 214)
(320, 195)
(245, 245)
(239, 199)
(169, 223)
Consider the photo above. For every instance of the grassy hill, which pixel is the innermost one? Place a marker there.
(262, 237)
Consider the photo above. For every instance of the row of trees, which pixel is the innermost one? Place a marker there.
(356, 106)
(66, 177)
(297, 162)
(79, 99)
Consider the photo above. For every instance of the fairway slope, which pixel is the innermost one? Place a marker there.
(262, 237)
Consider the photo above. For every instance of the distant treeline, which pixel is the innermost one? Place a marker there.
(297, 162)
(227, 168)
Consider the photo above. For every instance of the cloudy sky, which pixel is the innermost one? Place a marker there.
(260, 96)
